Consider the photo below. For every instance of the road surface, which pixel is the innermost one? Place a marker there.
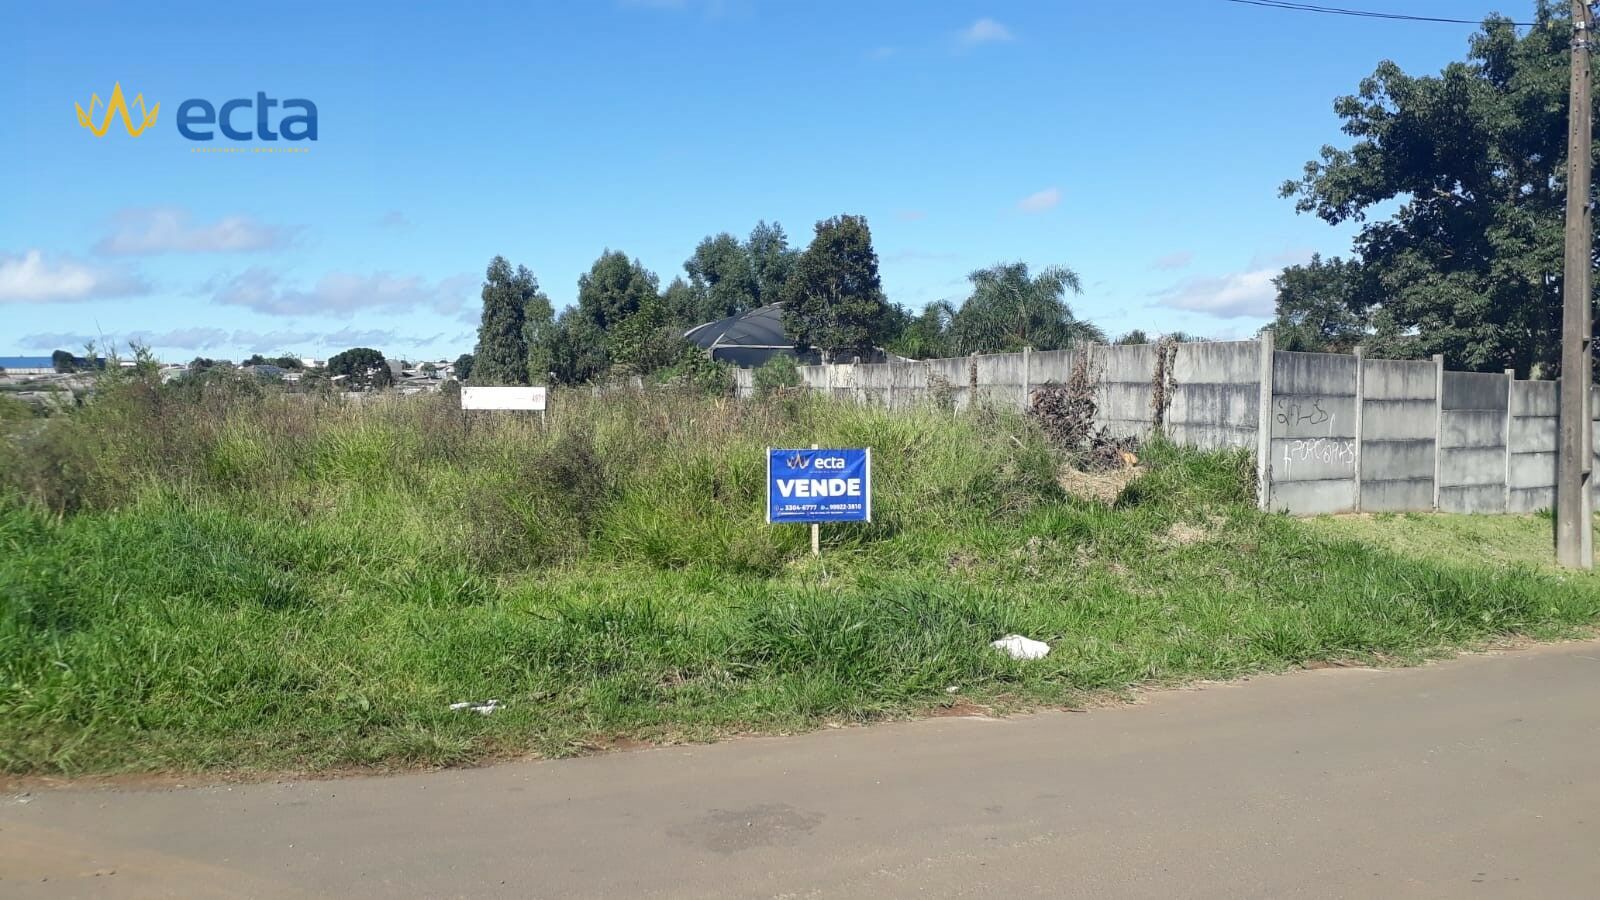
(1476, 777)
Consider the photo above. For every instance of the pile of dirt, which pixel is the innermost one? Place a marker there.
(1103, 486)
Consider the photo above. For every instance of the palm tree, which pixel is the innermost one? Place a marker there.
(1009, 310)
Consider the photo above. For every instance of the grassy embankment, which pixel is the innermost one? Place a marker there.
(204, 580)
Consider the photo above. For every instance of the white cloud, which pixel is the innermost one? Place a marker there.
(54, 340)
(31, 278)
(1176, 260)
(1041, 201)
(200, 338)
(1228, 296)
(342, 293)
(394, 218)
(984, 31)
(1291, 256)
(171, 230)
(882, 52)
(911, 215)
(193, 338)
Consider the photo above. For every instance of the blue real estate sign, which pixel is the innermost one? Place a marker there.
(819, 485)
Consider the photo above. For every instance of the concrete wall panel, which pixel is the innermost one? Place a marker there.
(1231, 362)
(1535, 398)
(1473, 466)
(1473, 428)
(1313, 374)
(1398, 379)
(1534, 433)
(1307, 415)
(1398, 419)
(1403, 495)
(1310, 498)
(1527, 500)
(1398, 460)
(1313, 459)
(1533, 470)
(1473, 499)
(1474, 390)
(1237, 405)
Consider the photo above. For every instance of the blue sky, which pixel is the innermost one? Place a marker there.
(1140, 144)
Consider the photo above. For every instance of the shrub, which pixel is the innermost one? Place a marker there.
(777, 375)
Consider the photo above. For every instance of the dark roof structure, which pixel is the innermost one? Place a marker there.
(748, 339)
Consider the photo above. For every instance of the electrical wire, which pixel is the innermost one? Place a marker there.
(1363, 13)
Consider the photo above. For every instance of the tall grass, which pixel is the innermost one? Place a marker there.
(226, 577)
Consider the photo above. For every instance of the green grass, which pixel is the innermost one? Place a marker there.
(254, 582)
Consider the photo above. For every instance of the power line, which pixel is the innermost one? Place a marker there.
(1364, 13)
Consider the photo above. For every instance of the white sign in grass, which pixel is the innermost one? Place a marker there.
(502, 398)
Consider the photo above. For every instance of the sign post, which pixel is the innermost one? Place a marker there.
(816, 532)
(819, 485)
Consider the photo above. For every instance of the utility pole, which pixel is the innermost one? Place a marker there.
(1574, 523)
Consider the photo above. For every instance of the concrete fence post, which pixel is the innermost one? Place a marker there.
(1438, 426)
(1511, 391)
(1027, 355)
(1264, 426)
(1361, 392)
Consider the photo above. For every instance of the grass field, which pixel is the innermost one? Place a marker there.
(229, 579)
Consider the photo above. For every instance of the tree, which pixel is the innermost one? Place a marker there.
(463, 366)
(779, 374)
(1009, 309)
(728, 277)
(926, 335)
(1323, 306)
(576, 349)
(614, 288)
(538, 321)
(501, 356)
(771, 260)
(1469, 167)
(362, 367)
(833, 299)
(1136, 336)
(721, 277)
(681, 304)
(644, 342)
(63, 361)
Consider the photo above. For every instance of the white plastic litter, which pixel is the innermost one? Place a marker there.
(484, 708)
(1020, 647)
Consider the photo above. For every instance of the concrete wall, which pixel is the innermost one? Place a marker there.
(1472, 442)
(1531, 446)
(1215, 394)
(1311, 463)
(1398, 423)
(1342, 433)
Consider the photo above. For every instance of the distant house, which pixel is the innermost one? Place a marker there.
(27, 365)
(267, 371)
(750, 338)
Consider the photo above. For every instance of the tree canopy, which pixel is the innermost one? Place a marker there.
(833, 299)
(728, 277)
(501, 356)
(1009, 309)
(363, 368)
(1469, 167)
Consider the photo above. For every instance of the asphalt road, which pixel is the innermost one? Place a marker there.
(1471, 778)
